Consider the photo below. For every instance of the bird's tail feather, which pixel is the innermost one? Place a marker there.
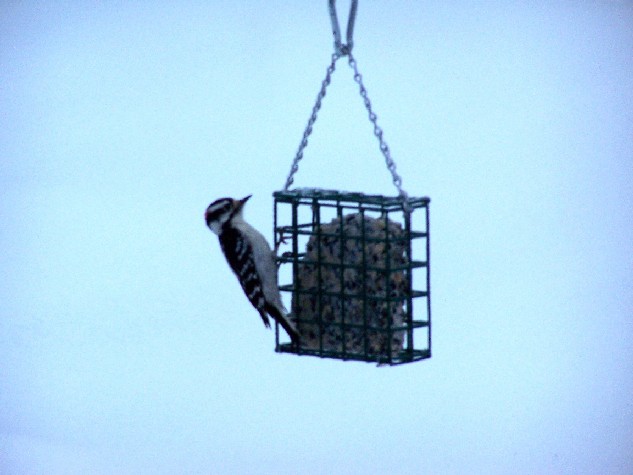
(265, 318)
(285, 323)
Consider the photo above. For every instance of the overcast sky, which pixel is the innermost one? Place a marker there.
(126, 344)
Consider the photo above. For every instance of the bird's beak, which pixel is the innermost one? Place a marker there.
(241, 202)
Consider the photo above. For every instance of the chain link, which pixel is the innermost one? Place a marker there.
(311, 121)
(384, 148)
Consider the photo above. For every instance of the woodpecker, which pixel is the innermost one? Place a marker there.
(251, 259)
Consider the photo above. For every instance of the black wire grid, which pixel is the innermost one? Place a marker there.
(358, 291)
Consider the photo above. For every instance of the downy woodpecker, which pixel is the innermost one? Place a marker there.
(251, 259)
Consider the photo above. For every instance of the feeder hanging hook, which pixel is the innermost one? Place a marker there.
(341, 49)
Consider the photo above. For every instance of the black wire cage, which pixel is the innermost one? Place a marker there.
(357, 268)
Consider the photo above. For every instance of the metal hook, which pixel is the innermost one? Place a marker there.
(341, 49)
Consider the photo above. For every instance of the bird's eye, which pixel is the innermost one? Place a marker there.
(218, 208)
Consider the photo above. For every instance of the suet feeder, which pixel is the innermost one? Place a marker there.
(358, 289)
(356, 266)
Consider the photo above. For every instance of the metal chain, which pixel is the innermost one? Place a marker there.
(384, 148)
(341, 50)
(311, 121)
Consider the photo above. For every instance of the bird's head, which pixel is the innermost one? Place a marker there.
(223, 210)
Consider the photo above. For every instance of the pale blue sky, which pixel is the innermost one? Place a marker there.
(126, 345)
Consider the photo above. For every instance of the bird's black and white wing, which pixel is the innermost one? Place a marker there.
(239, 255)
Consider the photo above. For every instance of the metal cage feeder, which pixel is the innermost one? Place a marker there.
(357, 266)
(355, 280)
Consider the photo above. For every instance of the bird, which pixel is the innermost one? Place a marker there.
(251, 259)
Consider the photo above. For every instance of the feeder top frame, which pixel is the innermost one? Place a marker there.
(385, 203)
